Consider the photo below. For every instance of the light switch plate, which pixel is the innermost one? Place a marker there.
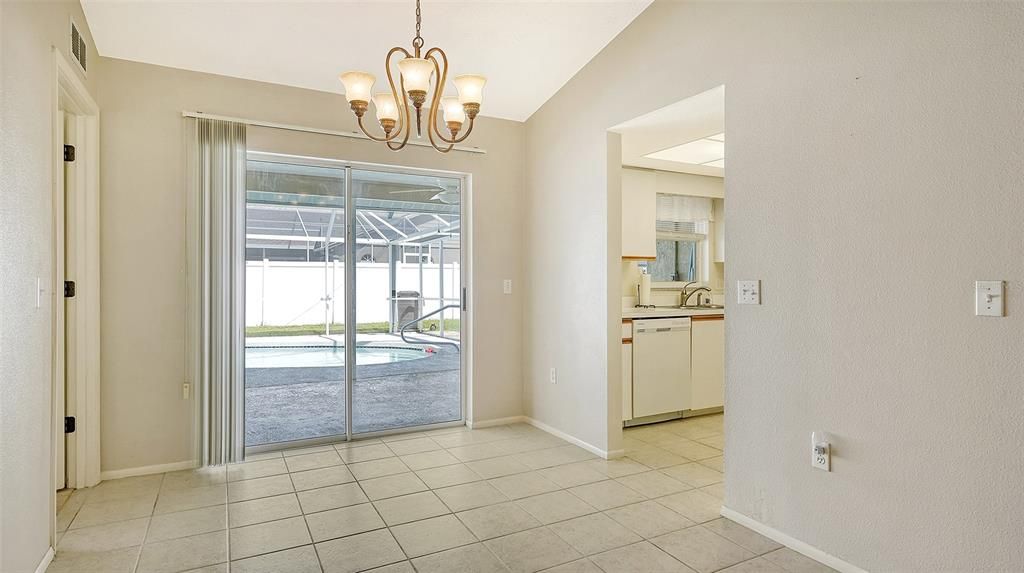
(989, 298)
(506, 286)
(748, 292)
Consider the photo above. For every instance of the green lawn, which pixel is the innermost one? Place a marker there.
(338, 328)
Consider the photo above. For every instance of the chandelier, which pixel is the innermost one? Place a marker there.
(416, 70)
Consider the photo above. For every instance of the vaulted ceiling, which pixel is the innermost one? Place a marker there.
(527, 49)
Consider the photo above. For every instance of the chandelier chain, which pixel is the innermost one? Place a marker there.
(417, 42)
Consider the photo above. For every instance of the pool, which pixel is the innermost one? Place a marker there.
(321, 356)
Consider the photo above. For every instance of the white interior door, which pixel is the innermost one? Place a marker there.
(60, 384)
(72, 205)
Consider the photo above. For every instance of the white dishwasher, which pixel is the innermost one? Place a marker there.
(661, 366)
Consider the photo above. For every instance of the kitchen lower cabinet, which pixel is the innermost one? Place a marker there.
(707, 362)
(627, 380)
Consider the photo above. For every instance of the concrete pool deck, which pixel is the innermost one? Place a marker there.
(294, 403)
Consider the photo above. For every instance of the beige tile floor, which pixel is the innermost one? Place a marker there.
(508, 498)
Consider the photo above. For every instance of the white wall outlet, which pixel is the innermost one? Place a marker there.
(554, 376)
(748, 292)
(506, 286)
(821, 452)
(989, 298)
(186, 391)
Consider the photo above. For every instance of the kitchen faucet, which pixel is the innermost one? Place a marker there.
(685, 296)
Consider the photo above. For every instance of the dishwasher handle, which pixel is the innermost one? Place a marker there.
(661, 325)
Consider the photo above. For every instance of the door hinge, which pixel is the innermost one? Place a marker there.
(69, 153)
(69, 289)
(69, 424)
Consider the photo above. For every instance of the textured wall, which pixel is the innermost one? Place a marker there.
(874, 174)
(145, 421)
(28, 33)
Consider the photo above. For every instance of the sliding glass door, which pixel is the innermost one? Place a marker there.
(391, 267)
(294, 345)
(407, 305)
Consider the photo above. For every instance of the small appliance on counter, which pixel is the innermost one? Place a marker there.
(643, 291)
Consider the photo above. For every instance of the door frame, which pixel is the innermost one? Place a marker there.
(465, 271)
(75, 387)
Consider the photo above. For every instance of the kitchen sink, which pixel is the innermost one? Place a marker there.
(703, 307)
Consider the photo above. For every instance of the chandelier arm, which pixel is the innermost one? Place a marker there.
(408, 121)
(437, 97)
(388, 137)
(398, 95)
(359, 121)
(463, 137)
(442, 75)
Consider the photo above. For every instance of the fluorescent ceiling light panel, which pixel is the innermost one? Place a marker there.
(718, 163)
(696, 152)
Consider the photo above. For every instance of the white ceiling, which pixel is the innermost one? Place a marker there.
(663, 130)
(527, 49)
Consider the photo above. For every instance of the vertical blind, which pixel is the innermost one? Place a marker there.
(216, 235)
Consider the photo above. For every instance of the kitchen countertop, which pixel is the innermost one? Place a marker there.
(669, 312)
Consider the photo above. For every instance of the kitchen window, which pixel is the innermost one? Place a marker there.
(682, 239)
(678, 260)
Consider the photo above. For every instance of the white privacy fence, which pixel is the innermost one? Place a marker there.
(284, 293)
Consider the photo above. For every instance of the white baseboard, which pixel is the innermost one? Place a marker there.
(574, 440)
(791, 542)
(551, 430)
(614, 454)
(494, 422)
(46, 561)
(148, 470)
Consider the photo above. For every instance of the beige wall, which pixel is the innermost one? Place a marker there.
(874, 175)
(145, 420)
(28, 33)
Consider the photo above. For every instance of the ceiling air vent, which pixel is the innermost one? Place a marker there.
(78, 47)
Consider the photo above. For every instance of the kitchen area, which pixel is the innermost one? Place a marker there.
(673, 262)
(673, 331)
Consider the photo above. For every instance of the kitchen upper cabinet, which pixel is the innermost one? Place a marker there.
(639, 214)
(707, 363)
(718, 230)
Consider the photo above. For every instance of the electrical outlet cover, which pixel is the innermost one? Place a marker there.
(821, 456)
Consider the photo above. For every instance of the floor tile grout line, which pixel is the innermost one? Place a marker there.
(149, 523)
(305, 522)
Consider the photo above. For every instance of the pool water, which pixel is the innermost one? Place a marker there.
(321, 356)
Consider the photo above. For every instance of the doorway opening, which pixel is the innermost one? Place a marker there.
(73, 292)
(353, 316)
(673, 295)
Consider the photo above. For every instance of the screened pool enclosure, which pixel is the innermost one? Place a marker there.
(353, 317)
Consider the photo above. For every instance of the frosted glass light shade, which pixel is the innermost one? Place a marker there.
(386, 106)
(358, 85)
(471, 88)
(453, 111)
(416, 73)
